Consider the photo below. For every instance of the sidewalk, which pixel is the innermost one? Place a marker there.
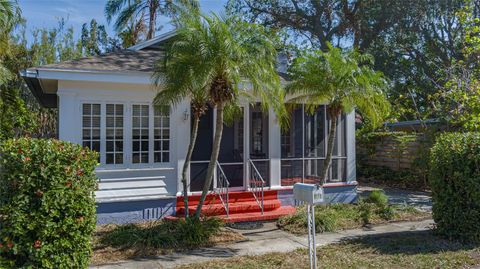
(261, 241)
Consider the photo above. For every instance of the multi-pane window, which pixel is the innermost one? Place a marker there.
(91, 114)
(114, 134)
(161, 135)
(126, 134)
(140, 133)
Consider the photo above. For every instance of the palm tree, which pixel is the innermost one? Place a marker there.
(176, 82)
(221, 55)
(343, 80)
(8, 11)
(127, 11)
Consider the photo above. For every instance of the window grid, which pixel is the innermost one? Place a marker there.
(161, 136)
(114, 131)
(91, 114)
(140, 133)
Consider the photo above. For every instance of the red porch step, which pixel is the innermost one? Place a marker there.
(234, 208)
(242, 207)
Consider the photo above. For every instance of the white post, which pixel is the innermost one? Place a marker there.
(312, 246)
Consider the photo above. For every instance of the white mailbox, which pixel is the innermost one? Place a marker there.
(309, 193)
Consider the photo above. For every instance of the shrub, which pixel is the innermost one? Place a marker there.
(47, 204)
(164, 234)
(378, 197)
(455, 184)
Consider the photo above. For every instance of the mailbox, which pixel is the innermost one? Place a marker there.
(309, 193)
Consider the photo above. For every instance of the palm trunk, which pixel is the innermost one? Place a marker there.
(151, 18)
(213, 158)
(331, 140)
(191, 146)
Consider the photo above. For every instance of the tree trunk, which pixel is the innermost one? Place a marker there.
(213, 158)
(191, 146)
(331, 140)
(152, 12)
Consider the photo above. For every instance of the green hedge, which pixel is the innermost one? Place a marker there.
(455, 183)
(47, 204)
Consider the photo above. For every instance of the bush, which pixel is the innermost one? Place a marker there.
(47, 204)
(164, 234)
(378, 197)
(455, 184)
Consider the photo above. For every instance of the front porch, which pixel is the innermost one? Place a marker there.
(258, 160)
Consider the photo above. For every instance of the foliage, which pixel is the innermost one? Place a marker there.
(412, 41)
(47, 204)
(455, 183)
(217, 57)
(181, 234)
(344, 81)
(377, 197)
(331, 218)
(20, 113)
(458, 101)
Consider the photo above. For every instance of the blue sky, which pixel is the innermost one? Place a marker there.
(46, 13)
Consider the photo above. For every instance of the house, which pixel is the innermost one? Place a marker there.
(105, 103)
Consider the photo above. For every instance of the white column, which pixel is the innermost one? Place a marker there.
(350, 140)
(180, 138)
(274, 149)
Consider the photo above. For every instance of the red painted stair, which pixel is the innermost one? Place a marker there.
(242, 207)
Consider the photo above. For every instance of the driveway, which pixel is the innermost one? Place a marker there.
(418, 199)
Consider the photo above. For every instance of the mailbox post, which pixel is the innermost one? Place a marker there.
(311, 195)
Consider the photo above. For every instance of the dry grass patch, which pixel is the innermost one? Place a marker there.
(416, 250)
(331, 218)
(120, 242)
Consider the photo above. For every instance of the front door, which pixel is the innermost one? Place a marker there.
(259, 154)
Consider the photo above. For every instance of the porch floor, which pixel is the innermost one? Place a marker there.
(242, 207)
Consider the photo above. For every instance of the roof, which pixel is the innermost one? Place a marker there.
(119, 61)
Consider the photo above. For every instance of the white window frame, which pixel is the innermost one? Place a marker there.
(127, 135)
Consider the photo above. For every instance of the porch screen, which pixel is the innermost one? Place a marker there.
(304, 147)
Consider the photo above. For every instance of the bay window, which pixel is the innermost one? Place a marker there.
(127, 134)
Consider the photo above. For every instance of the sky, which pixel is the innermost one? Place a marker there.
(46, 13)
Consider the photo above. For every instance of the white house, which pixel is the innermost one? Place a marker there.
(105, 103)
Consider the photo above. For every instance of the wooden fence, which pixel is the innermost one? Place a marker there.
(396, 152)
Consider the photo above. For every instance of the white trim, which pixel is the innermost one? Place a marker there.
(153, 41)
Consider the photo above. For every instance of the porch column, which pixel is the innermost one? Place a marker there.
(350, 141)
(274, 148)
(180, 126)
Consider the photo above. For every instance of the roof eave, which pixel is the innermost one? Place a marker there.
(46, 100)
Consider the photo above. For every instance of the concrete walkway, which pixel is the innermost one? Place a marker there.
(261, 241)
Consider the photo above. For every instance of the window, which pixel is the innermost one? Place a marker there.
(114, 134)
(127, 134)
(140, 133)
(161, 135)
(91, 114)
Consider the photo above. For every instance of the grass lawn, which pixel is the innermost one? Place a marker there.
(337, 217)
(399, 250)
(120, 242)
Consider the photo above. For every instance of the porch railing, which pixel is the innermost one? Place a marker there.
(222, 187)
(256, 185)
